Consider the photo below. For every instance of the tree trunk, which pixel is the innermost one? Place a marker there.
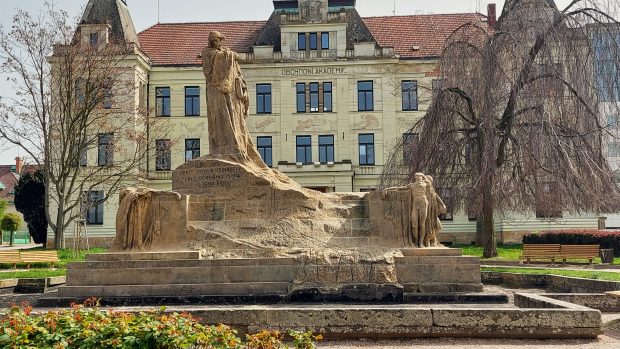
(59, 232)
(488, 223)
(11, 238)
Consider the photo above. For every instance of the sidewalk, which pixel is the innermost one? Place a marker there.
(19, 247)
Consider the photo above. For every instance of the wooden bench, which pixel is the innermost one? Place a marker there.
(540, 251)
(10, 257)
(588, 252)
(39, 257)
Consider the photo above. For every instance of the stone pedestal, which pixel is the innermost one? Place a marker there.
(438, 270)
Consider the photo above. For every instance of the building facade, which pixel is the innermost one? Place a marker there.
(331, 93)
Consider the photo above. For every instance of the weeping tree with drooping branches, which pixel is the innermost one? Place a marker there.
(524, 115)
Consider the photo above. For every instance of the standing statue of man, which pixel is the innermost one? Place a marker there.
(419, 208)
(227, 105)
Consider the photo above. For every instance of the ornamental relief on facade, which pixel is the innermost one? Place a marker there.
(316, 124)
(262, 124)
(367, 122)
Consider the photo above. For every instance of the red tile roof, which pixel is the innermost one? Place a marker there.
(429, 32)
(9, 180)
(182, 43)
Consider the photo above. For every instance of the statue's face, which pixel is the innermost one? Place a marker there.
(216, 43)
(419, 178)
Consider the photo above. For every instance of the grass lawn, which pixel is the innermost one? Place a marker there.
(512, 253)
(43, 270)
(587, 274)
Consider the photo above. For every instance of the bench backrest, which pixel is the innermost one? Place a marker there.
(39, 256)
(580, 250)
(10, 257)
(541, 249)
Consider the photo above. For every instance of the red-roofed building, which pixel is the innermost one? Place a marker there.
(330, 91)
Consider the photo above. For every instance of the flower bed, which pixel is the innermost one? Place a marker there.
(87, 326)
(604, 238)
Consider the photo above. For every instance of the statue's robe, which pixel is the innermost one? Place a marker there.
(227, 109)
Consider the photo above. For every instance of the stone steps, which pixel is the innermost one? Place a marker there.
(226, 289)
(203, 263)
(179, 275)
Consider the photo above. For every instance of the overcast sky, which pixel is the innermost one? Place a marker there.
(145, 14)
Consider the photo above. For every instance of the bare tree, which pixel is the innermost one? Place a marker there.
(75, 112)
(519, 117)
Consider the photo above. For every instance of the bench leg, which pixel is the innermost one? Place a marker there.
(564, 261)
(591, 261)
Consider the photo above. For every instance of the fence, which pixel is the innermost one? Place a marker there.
(19, 238)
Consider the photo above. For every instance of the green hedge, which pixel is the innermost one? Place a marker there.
(604, 238)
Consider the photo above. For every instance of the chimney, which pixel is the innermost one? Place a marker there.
(491, 15)
(19, 163)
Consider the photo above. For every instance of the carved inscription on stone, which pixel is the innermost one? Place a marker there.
(195, 175)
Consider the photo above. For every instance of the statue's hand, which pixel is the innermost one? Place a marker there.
(384, 194)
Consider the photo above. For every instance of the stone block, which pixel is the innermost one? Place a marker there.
(431, 252)
(143, 256)
(27, 286)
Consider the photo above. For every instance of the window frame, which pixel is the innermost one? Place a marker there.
(264, 97)
(325, 149)
(366, 93)
(328, 92)
(325, 35)
(313, 45)
(447, 196)
(165, 102)
(195, 101)
(165, 151)
(314, 97)
(307, 149)
(265, 151)
(96, 210)
(366, 146)
(409, 96)
(300, 93)
(195, 151)
(106, 148)
(301, 38)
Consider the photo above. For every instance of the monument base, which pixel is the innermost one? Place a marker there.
(184, 273)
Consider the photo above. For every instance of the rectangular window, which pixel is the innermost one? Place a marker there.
(367, 149)
(410, 95)
(263, 98)
(410, 143)
(324, 41)
(304, 149)
(447, 198)
(327, 97)
(301, 97)
(314, 97)
(192, 149)
(301, 41)
(94, 39)
(92, 206)
(365, 100)
(192, 101)
(105, 149)
(162, 101)
(163, 157)
(313, 41)
(265, 149)
(107, 94)
(326, 149)
(84, 156)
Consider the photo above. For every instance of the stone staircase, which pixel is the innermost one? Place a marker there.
(176, 274)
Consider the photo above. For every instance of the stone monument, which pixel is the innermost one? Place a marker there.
(232, 225)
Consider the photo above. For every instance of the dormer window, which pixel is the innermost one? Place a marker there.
(94, 39)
